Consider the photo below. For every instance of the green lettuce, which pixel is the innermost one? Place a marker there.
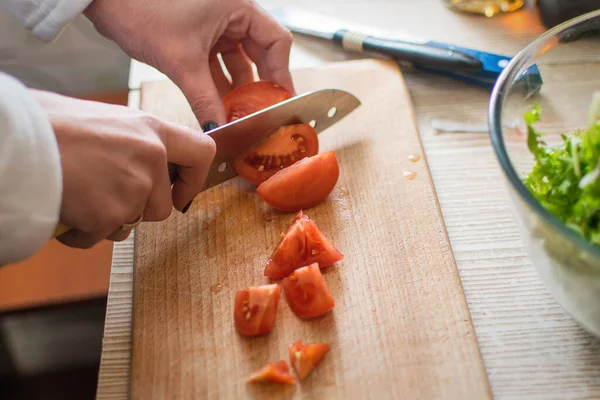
(565, 178)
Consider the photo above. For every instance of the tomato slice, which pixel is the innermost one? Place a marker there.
(277, 372)
(252, 97)
(256, 308)
(302, 185)
(288, 145)
(304, 357)
(302, 244)
(307, 293)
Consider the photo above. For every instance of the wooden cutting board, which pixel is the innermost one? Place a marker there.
(401, 327)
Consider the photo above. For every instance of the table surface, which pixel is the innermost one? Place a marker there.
(530, 346)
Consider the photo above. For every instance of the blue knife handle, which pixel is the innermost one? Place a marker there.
(493, 65)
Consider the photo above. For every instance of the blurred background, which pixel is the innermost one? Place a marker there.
(52, 306)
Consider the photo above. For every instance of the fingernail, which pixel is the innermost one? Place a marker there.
(187, 207)
(209, 126)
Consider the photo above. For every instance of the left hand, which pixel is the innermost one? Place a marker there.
(182, 38)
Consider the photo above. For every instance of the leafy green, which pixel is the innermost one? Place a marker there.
(565, 178)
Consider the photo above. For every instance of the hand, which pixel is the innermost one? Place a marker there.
(114, 166)
(182, 38)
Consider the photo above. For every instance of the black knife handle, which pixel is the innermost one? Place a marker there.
(418, 54)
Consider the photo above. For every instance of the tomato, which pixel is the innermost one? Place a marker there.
(277, 372)
(307, 293)
(256, 308)
(252, 97)
(302, 244)
(288, 145)
(304, 357)
(302, 185)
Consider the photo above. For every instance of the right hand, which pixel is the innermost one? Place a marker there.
(114, 166)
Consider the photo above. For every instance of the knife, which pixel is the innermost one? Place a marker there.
(321, 109)
(467, 65)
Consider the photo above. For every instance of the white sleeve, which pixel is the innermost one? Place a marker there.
(45, 18)
(30, 174)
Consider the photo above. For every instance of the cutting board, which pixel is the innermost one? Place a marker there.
(401, 326)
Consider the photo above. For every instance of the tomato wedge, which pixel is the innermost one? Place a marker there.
(256, 308)
(302, 244)
(252, 97)
(303, 185)
(307, 293)
(288, 145)
(277, 372)
(304, 357)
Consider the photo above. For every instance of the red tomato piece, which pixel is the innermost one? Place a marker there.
(304, 357)
(252, 97)
(302, 244)
(288, 145)
(303, 185)
(307, 293)
(256, 308)
(277, 372)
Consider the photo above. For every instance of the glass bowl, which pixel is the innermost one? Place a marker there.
(568, 60)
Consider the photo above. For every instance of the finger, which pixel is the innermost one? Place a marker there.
(160, 203)
(119, 235)
(221, 81)
(200, 91)
(268, 45)
(193, 153)
(239, 66)
(78, 239)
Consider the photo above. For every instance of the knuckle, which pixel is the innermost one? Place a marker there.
(200, 104)
(286, 37)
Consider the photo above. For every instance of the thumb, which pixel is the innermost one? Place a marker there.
(201, 93)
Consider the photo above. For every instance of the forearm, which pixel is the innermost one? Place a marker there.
(44, 18)
(30, 174)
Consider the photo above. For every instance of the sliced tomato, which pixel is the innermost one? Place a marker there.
(252, 97)
(277, 372)
(302, 185)
(304, 357)
(307, 293)
(302, 244)
(288, 145)
(256, 308)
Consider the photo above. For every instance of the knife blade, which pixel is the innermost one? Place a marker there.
(461, 63)
(321, 109)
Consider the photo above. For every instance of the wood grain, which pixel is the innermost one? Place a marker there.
(531, 348)
(401, 326)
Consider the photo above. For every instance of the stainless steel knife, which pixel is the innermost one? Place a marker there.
(321, 109)
(464, 64)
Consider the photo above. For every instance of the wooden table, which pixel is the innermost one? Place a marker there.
(530, 346)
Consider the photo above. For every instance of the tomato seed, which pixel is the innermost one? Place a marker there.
(248, 315)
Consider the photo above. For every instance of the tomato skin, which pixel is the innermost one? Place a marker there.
(303, 185)
(255, 309)
(302, 244)
(304, 357)
(251, 97)
(277, 372)
(284, 148)
(307, 293)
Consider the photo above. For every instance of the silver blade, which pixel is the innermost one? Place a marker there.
(237, 137)
(319, 25)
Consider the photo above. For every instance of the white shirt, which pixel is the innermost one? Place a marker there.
(30, 170)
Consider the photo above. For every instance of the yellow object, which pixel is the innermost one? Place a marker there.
(60, 229)
(489, 8)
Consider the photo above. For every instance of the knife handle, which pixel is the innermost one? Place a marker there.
(419, 54)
